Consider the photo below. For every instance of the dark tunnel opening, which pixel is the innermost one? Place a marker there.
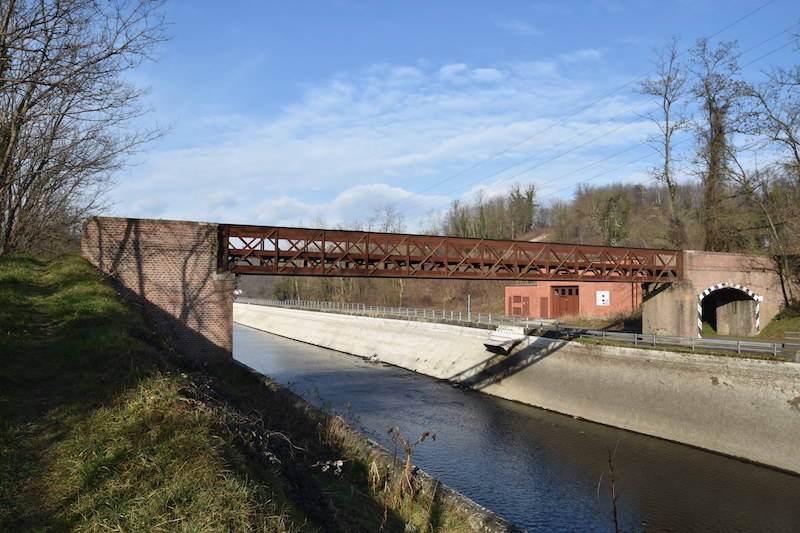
(729, 311)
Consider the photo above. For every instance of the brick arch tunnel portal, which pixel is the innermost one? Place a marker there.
(729, 309)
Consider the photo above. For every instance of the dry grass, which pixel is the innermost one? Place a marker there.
(95, 432)
(364, 493)
(100, 431)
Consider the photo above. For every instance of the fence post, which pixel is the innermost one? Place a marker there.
(603, 336)
(654, 340)
(739, 347)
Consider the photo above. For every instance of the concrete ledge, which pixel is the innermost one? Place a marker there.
(748, 409)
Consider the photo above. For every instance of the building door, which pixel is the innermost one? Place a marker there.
(564, 302)
(520, 306)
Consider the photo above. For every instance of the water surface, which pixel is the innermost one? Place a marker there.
(541, 470)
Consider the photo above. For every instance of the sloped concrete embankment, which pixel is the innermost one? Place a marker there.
(739, 407)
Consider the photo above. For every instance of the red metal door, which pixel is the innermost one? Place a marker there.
(564, 302)
(544, 307)
(520, 305)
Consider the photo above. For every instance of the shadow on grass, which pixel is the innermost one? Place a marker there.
(345, 501)
(51, 375)
(80, 443)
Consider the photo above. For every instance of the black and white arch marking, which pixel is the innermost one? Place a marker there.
(717, 286)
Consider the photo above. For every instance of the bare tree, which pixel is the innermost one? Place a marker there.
(719, 91)
(761, 189)
(521, 208)
(669, 87)
(66, 110)
(388, 219)
(776, 115)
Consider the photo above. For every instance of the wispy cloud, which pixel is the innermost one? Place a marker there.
(518, 27)
(372, 137)
(584, 54)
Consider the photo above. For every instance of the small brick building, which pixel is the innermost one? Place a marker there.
(557, 299)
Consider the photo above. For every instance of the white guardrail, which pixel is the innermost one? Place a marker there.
(789, 348)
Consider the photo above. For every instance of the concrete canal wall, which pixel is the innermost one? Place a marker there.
(744, 408)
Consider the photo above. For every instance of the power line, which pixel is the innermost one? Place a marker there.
(542, 163)
(577, 111)
(751, 145)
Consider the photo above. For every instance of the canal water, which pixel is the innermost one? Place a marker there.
(541, 470)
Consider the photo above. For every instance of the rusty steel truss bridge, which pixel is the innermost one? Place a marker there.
(274, 250)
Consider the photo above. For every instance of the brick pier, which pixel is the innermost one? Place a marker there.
(169, 270)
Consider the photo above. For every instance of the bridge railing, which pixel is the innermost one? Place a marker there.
(792, 340)
(481, 318)
(789, 349)
(732, 345)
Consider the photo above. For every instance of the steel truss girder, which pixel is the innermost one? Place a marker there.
(275, 250)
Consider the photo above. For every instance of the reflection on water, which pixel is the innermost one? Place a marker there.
(543, 471)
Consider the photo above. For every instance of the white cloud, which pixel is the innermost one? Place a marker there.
(486, 74)
(368, 138)
(449, 72)
(518, 27)
(584, 54)
(356, 204)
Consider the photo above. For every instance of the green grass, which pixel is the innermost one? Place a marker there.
(786, 320)
(101, 431)
(95, 434)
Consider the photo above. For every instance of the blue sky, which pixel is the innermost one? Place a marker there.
(310, 113)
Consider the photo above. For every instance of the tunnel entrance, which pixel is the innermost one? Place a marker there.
(728, 310)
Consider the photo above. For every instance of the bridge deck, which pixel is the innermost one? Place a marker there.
(274, 250)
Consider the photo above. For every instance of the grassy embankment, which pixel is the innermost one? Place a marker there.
(100, 431)
(787, 320)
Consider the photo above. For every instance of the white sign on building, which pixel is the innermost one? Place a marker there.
(603, 298)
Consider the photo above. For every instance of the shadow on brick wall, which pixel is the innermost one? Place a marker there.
(166, 269)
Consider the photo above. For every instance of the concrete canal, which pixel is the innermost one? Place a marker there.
(541, 470)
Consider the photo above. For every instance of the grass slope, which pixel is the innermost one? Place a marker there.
(99, 431)
(787, 320)
(94, 432)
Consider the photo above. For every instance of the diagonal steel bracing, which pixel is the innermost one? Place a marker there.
(315, 252)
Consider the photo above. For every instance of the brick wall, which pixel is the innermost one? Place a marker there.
(168, 269)
(674, 311)
(625, 298)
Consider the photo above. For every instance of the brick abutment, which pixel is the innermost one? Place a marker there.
(168, 269)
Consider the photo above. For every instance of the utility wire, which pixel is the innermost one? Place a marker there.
(577, 111)
(416, 206)
(582, 182)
